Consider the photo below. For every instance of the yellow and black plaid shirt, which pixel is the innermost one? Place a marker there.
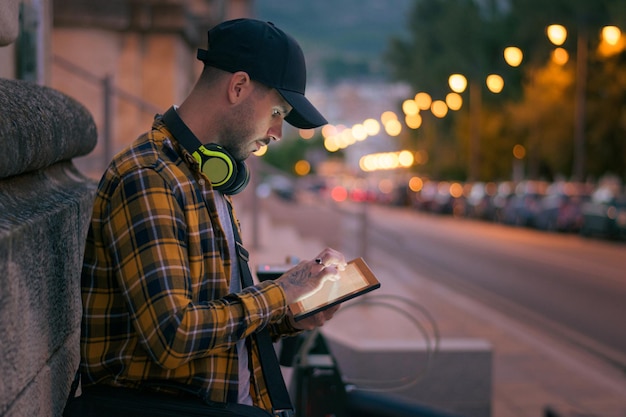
(155, 280)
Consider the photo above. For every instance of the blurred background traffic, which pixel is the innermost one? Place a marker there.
(591, 210)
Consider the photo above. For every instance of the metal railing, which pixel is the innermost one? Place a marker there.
(109, 91)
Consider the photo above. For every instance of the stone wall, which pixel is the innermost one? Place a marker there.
(45, 205)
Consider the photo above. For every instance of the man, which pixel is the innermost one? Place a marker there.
(161, 288)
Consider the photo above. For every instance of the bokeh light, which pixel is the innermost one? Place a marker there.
(557, 34)
(261, 151)
(439, 108)
(423, 100)
(454, 101)
(302, 168)
(306, 133)
(416, 184)
(519, 152)
(413, 121)
(387, 116)
(513, 56)
(495, 83)
(611, 34)
(410, 108)
(393, 127)
(457, 83)
(372, 127)
(560, 56)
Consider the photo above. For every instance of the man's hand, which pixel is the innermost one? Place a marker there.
(314, 321)
(309, 276)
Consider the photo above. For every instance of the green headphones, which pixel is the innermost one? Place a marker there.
(226, 174)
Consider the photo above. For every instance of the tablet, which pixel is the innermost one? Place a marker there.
(357, 279)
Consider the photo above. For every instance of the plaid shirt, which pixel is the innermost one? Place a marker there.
(155, 280)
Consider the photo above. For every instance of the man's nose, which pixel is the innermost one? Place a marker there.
(276, 131)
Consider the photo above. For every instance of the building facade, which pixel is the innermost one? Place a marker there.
(125, 60)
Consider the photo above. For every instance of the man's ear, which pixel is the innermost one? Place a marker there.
(239, 86)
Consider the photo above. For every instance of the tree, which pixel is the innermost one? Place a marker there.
(446, 37)
(536, 107)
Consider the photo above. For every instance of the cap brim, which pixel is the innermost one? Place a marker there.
(303, 114)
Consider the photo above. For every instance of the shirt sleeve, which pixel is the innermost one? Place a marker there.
(147, 232)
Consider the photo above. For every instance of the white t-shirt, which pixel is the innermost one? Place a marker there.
(235, 286)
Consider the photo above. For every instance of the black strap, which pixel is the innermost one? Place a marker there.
(279, 396)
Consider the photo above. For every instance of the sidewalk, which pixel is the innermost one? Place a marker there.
(530, 370)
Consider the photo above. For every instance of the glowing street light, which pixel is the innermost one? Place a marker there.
(302, 168)
(513, 56)
(439, 108)
(611, 35)
(413, 121)
(457, 83)
(387, 116)
(557, 34)
(393, 127)
(454, 101)
(612, 42)
(372, 127)
(495, 83)
(410, 108)
(423, 100)
(560, 56)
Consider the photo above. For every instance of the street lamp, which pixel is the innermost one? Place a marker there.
(557, 35)
(513, 56)
(458, 83)
(495, 83)
(611, 34)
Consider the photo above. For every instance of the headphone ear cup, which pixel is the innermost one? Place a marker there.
(242, 180)
(220, 171)
(226, 174)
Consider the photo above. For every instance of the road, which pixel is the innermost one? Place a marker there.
(571, 286)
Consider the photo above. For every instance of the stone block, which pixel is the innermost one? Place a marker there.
(454, 378)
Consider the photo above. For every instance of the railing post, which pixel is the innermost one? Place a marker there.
(363, 236)
(107, 122)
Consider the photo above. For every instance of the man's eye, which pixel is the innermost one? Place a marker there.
(276, 112)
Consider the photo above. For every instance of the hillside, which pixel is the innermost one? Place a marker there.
(340, 37)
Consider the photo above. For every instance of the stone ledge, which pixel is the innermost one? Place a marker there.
(39, 127)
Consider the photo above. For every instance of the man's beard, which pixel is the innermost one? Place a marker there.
(236, 132)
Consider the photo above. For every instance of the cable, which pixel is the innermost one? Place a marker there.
(391, 302)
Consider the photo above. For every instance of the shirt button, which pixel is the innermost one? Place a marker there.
(201, 181)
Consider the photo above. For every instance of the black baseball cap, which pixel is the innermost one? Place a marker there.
(269, 56)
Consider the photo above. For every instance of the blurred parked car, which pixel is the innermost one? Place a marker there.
(501, 200)
(424, 199)
(524, 205)
(560, 210)
(605, 214)
(479, 204)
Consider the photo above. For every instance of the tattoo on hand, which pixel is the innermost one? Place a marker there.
(300, 276)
